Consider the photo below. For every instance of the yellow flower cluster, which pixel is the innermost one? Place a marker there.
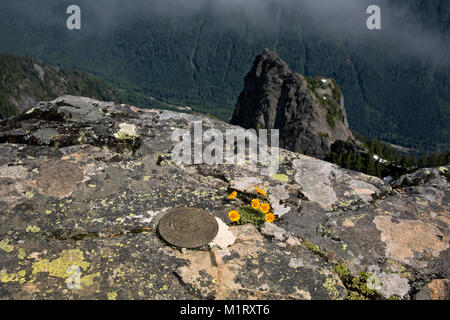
(255, 204)
(264, 207)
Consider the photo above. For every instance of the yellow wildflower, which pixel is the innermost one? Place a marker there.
(270, 217)
(232, 195)
(255, 204)
(265, 207)
(261, 192)
(234, 215)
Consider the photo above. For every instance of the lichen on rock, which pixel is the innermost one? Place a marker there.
(96, 203)
(127, 132)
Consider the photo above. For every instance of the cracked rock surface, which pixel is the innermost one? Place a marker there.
(84, 183)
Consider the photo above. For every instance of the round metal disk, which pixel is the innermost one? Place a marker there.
(188, 227)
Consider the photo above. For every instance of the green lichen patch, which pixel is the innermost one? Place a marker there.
(357, 286)
(127, 132)
(33, 229)
(395, 266)
(13, 277)
(21, 254)
(312, 247)
(59, 267)
(5, 246)
(280, 177)
(331, 287)
(344, 205)
(88, 280)
(112, 295)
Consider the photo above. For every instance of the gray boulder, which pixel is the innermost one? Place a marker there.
(309, 112)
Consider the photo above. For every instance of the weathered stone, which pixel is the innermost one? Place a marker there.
(256, 269)
(388, 285)
(329, 185)
(435, 290)
(406, 238)
(127, 132)
(94, 200)
(58, 178)
(271, 230)
(45, 135)
(224, 237)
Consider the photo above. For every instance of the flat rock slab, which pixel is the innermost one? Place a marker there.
(188, 227)
(90, 200)
(58, 178)
(329, 185)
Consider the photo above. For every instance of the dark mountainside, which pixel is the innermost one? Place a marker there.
(311, 117)
(84, 183)
(309, 113)
(24, 82)
(395, 81)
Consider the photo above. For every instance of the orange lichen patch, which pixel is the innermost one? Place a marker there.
(443, 215)
(406, 237)
(30, 288)
(361, 191)
(135, 109)
(439, 289)
(77, 156)
(348, 223)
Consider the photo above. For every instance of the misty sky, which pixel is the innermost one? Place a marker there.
(326, 18)
(335, 18)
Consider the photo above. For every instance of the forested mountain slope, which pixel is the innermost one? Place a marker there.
(395, 81)
(23, 82)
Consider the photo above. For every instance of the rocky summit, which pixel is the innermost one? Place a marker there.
(83, 184)
(309, 112)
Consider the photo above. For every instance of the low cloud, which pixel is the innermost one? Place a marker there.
(402, 30)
